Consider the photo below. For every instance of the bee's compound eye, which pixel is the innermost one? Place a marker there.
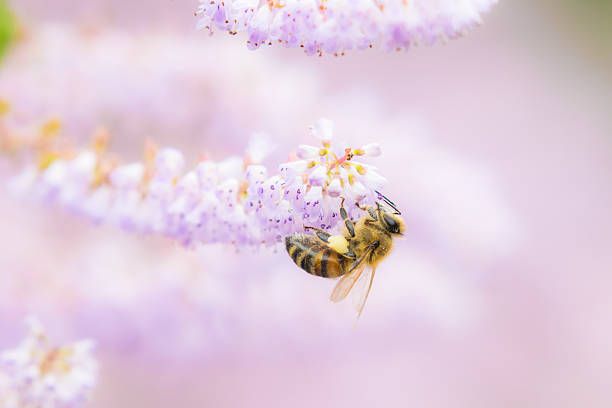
(392, 225)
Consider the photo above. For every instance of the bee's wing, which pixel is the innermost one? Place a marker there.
(346, 283)
(363, 288)
(360, 282)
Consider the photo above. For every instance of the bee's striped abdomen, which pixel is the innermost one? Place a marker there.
(313, 256)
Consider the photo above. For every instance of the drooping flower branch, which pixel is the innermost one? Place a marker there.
(166, 95)
(336, 26)
(37, 374)
(235, 201)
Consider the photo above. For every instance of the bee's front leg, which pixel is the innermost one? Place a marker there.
(370, 210)
(347, 221)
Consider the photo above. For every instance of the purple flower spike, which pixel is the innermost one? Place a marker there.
(336, 26)
(233, 201)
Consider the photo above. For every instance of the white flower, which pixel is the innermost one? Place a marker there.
(127, 176)
(290, 170)
(318, 176)
(307, 151)
(335, 188)
(169, 163)
(369, 150)
(42, 375)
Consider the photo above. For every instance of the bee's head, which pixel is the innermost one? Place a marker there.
(394, 223)
(391, 221)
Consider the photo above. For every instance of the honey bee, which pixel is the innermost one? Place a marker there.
(352, 255)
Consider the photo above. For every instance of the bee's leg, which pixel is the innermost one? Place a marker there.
(322, 235)
(349, 254)
(325, 237)
(373, 214)
(347, 221)
(378, 213)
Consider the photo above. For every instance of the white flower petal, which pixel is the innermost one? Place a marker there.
(318, 176)
(307, 152)
(335, 188)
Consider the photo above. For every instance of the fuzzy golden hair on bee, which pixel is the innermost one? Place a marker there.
(353, 254)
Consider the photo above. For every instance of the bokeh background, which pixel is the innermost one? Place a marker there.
(497, 146)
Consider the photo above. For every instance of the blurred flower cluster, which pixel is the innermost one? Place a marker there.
(121, 289)
(336, 26)
(37, 374)
(185, 98)
(461, 302)
(211, 300)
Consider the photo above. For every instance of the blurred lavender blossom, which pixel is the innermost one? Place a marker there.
(35, 374)
(336, 26)
(107, 287)
(109, 284)
(184, 98)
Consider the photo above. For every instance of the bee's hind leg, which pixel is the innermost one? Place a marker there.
(341, 245)
(338, 243)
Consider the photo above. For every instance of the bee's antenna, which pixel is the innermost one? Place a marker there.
(388, 202)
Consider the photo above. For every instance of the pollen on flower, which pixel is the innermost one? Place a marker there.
(5, 107)
(51, 128)
(46, 159)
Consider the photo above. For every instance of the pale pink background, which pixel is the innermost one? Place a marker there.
(522, 321)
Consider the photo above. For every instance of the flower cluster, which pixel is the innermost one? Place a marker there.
(36, 374)
(236, 200)
(165, 96)
(335, 26)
